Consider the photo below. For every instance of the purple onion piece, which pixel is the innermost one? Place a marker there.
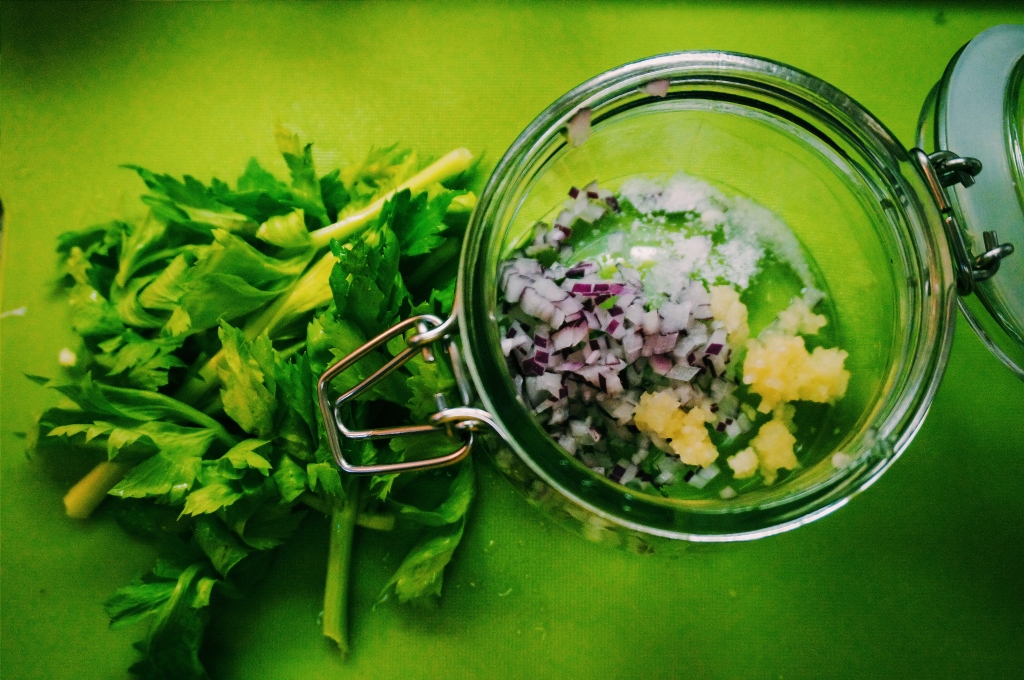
(661, 364)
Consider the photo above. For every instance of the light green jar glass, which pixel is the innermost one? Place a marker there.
(848, 190)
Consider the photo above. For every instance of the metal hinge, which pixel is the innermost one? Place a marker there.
(944, 169)
(459, 423)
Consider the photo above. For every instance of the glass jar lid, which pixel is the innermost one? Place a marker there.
(978, 114)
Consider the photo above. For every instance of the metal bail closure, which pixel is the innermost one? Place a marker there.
(944, 169)
(458, 423)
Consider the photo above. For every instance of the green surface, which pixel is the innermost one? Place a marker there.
(919, 577)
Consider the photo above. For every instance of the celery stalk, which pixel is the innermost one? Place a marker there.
(89, 492)
(449, 165)
(339, 559)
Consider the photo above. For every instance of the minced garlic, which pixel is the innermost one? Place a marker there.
(770, 450)
(798, 319)
(779, 368)
(660, 414)
(774, 444)
(743, 464)
(727, 308)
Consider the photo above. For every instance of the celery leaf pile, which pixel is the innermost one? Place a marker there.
(203, 328)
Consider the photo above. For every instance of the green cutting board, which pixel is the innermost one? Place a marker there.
(919, 577)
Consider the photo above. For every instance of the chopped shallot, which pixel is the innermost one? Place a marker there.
(657, 88)
(578, 128)
(585, 344)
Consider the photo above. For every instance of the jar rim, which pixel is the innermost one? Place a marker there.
(927, 344)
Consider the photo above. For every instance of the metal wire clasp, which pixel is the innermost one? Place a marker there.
(458, 423)
(944, 169)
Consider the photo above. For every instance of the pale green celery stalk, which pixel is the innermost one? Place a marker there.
(449, 165)
(339, 559)
(309, 292)
(368, 520)
(314, 288)
(383, 522)
(306, 294)
(89, 492)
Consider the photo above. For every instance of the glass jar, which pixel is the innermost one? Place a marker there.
(875, 218)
